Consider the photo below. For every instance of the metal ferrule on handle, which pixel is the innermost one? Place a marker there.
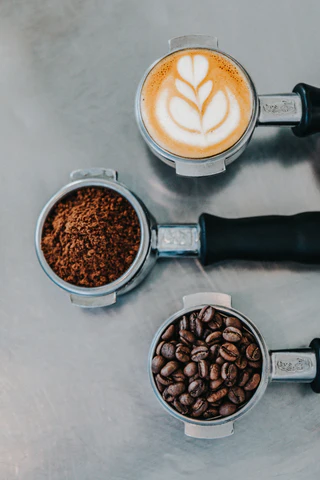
(178, 240)
(297, 366)
(280, 109)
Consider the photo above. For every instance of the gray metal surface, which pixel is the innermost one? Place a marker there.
(75, 400)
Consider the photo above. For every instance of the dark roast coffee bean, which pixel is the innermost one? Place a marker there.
(160, 387)
(203, 368)
(214, 352)
(215, 371)
(157, 363)
(199, 353)
(220, 360)
(168, 369)
(194, 377)
(168, 351)
(214, 404)
(229, 352)
(216, 322)
(167, 396)
(184, 323)
(232, 334)
(253, 352)
(241, 362)
(178, 376)
(236, 395)
(190, 369)
(216, 384)
(198, 328)
(214, 337)
(186, 399)
(174, 342)
(183, 409)
(227, 408)
(210, 413)
(243, 378)
(183, 353)
(176, 389)
(198, 343)
(192, 321)
(206, 314)
(197, 388)
(255, 365)
(199, 407)
(187, 337)
(218, 395)
(164, 380)
(159, 347)
(233, 322)
(253, 383)
(169, 333)
(229, 374)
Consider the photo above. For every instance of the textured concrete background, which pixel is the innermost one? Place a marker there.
(75, 401)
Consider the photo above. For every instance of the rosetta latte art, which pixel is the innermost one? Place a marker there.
(196, 103)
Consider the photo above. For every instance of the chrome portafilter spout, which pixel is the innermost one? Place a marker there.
(213, 239)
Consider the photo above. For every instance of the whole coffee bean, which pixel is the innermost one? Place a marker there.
(229, 352)
(167, 396)
(218, 395)
(198, 343)
(214, 337)
(192, 321)
(186, 399)
(249, 336)
(194, 377)
(253, 383)
(233, 322)
(178, 376)
(159, 347)
(206, 314)
(169, 333)
(199, 407)
(216, 384)
(157, 363)
(255, 365)
(241, 362)
(232, 334)
(214, 352)
(160, 387)
(187, 337)
(183, 353)
(168, 351)
(215, 371)
(253, 352)
(198, 328)
(216, 322)
(164, 380)
(183, 409)
(210, 413)
(229, 374)
(190, 369)
(236, 395)
(227, 408)
(243, 378)
(199, 353)
(203, 368)
(168, 369)
(197, 388)
(184, 323)
(176, 389)
(220, 360)
(174, 342)
(215, 404)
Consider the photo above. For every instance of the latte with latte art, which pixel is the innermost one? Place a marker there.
(196, 103)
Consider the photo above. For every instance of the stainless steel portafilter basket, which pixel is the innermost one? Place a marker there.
(212, 239)
(300, 365)
(299, 110)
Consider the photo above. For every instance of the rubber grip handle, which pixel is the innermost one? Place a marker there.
(295, 237)
(310, 120)
(315, 345)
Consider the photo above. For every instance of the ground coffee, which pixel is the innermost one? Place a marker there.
(91, 237)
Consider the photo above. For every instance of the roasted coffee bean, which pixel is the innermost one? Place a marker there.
(220, 360)
(168, 369)
(192, 321)
(206, 314)
(183, 409)
(194, 377)
(176, 389)
(215, 371)
(253, 383)
(174, 342)
(187, 337)
(243, 378)
(218, 395)
(169, 333)
(214, 337)
(160, 387)
(199, 407)
(184, 323)
(255, 365)
(178, 376)
(157, 363)
(253, 352)
(214, 352)
(168, 351)
(186, 399)
(197, 388)
(164, 380)
(241, 362)
(232, 334)
(216, 384)
(227, 408)
(233, 322)
(198, 328)
(229, 352)
(210, 413)
(216, 322)
(214, 404)
(198, 343)
(199, 353)
(183, 353)
(229, 374)
(190, 369)
(236, 395)
(167, 396)
(159, 347)
(203, 368)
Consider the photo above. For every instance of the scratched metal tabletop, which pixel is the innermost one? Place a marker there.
(75, 400)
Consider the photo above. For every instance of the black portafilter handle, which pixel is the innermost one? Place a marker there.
(310, 120)
(293, 238)
(315, 345)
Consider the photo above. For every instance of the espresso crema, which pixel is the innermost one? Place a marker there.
(196, 103)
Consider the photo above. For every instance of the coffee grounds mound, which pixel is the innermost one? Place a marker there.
(91, 237)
